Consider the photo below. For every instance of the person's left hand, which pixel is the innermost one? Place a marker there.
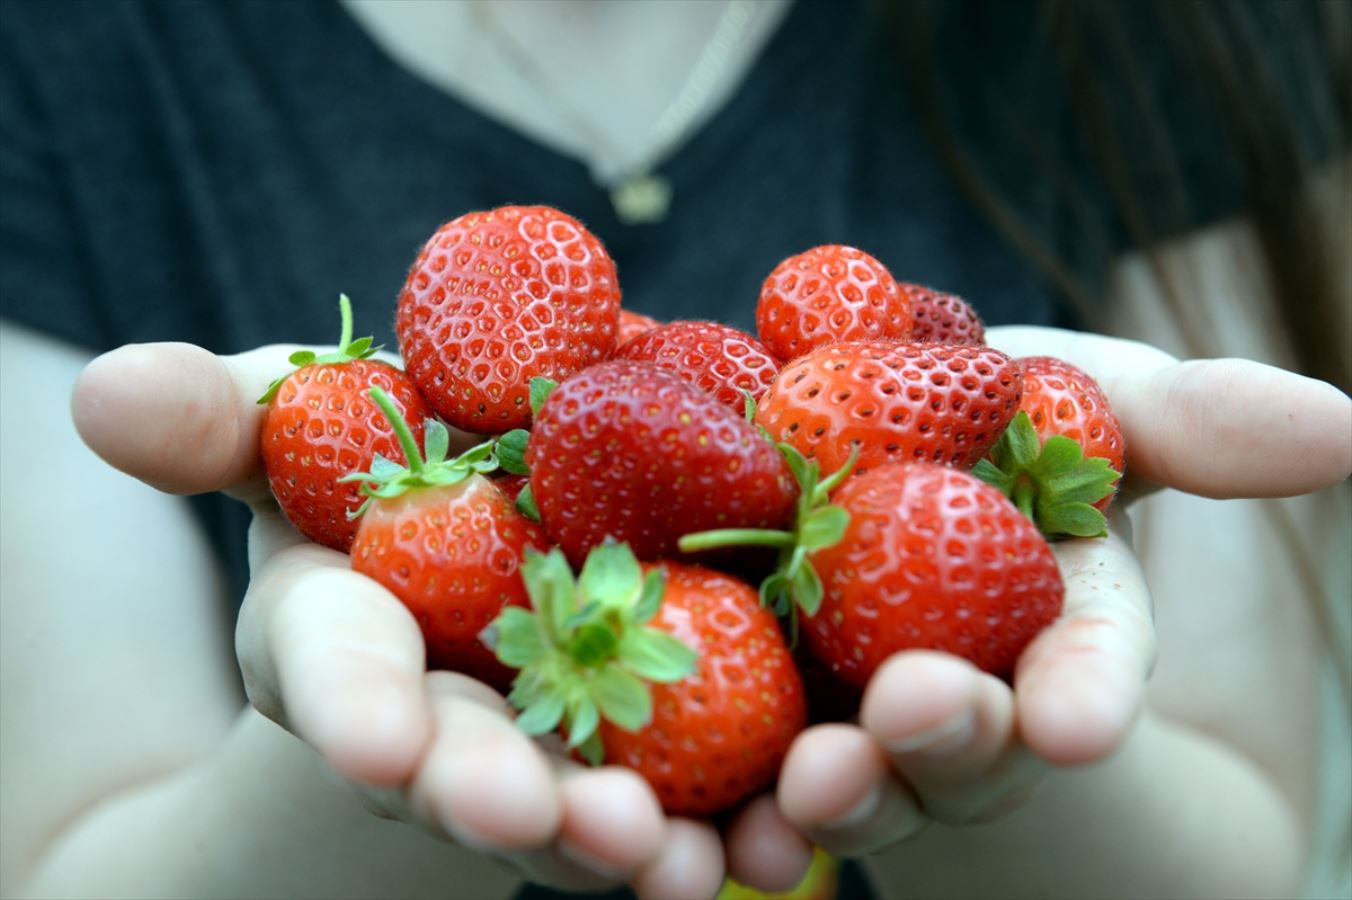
(939, 740)
(335, 659)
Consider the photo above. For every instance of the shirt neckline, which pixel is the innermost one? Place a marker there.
(532, 168)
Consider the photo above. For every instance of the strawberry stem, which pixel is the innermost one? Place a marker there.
(736, 537)
(817, 525)
(347, 351)
(823, 488)
(345, 311)
(412, 454)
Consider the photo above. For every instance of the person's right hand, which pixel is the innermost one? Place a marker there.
(337, 660)
(939, 741)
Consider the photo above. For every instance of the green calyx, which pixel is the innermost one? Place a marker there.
(348, 350)
(511, 453)
(511, 447)
(388, 479)
(540, 389)
(817, 525)
(1051, 483)
(584, 651)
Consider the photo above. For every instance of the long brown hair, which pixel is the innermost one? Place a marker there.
(1275, 77)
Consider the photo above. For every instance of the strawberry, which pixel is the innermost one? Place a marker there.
(673, 670)
(445, 541)
(717, 359)
(1063, 399)
(816, 524)
(319, 426)
(496, 298)
(633, 324)
(827, 295)
(511, 485)
(932, 558)
(941, 318)
(894, 402)
(629, 451)
(1063, 455)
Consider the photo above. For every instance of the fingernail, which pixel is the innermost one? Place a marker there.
(941, 740)
(590, 862)
(861, 811)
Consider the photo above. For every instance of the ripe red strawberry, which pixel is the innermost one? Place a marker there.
(445, 541)
(893, 401)
(320, 425)
(719, 736)
(511, 485)
(633, 324)
(1063, 399)
(932, 558)
(717, 359)
(1063, 454)
(941, 318)
(629, 451)
(725, 700)
(497, 298)
(827, 295)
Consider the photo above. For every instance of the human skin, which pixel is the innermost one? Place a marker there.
(330, 657)
(1083, 779)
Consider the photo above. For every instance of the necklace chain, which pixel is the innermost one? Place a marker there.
(639, 195)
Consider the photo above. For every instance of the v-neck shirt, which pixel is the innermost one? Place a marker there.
(218, 172)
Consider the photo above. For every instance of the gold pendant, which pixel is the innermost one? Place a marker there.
(641, 199)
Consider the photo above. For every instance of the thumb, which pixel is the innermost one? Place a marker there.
(1229, 428)
(176, 416)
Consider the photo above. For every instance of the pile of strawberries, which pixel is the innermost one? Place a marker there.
(655, 514)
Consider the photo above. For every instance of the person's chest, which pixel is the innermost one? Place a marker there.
(265, 158)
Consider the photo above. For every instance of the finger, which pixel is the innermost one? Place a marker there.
(177, 416)
(482, 779)
(183, 419)
(612, 826)
(690, 864)
(1099, 355)
(270, 531)
(1223, 428)
(764, 850)
(949, 729)
(1231, 428)
(335, 658)
(837, 788)
(1080, 685)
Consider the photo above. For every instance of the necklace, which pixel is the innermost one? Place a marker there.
(639, 195)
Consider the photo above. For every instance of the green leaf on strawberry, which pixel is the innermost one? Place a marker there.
(823, 527)
(585, 652)
(1051, 483)
(511, 447)
(540, 389)
(387, 479)
(512, 451)
(525, 504)
(817, 525)
(347, 351)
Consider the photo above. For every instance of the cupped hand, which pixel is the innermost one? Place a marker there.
(939, 740)
(337, 660)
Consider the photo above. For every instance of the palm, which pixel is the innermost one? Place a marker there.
(939, 740)
(336, 659)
